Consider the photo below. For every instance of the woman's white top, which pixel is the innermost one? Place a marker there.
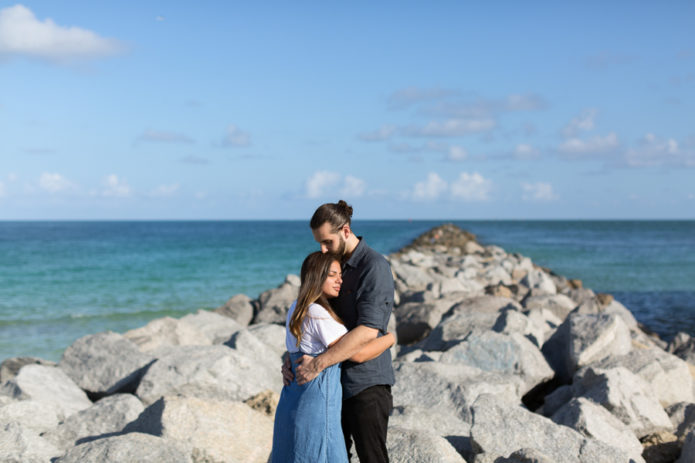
(319, 330)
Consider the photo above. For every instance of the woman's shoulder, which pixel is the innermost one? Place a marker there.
(318, 311)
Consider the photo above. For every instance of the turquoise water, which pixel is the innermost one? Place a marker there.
(62, 280)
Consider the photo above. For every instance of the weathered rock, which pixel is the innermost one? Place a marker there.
(239, 308)
(18, 444)
(510, 354)
(133, 447)
(105, 363)
(416, 320)
(520, 456)
(585, 339)
(495, 275)
(511, 321)
(627, 396)
(11, 366)
(683, 345)
(501, 428)
(604, 303)
(208, 372)
(660, 447)
(682, 417)
(274, 303)
(209, 430)
(414, 277)
(33, 415)
(559, 304)
(50, 386)
(422, 446)
(107, 416)
(265, 402)
(271, 335)
(668, 375)
(215, 326)
(458, 386)
(539, 281)
(166, 332)
(579, 295)
(594, 421)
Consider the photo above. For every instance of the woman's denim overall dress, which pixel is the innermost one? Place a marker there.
(307, 421)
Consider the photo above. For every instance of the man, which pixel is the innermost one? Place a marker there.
(364, 304)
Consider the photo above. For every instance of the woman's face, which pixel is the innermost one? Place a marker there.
(331, 287)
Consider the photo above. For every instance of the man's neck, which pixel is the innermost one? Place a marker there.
(350, 246)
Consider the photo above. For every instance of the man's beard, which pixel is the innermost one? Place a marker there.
(340, 252)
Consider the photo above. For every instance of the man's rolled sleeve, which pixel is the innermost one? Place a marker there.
(374, 298)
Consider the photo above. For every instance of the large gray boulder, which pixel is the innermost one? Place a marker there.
(422, 446)
(585, 339)
(105, 363)
(413, 277)
(511, 321)
(510, 354)
(133, 447)
(559, 304)
(213, 325)
(415, 320)
(11, 366)
(539, 281)
(50, 386)
(457, 385)
(107, 416)
(246, 343)
(167, 332)
(271, 335)
(683, 346)
(19, 444)
(625, 395)
(592, 420)
(208, 372)
(239, 308)
(208, 429)
(501, 428)
(668, 375)
(33, 415)
(274, 303)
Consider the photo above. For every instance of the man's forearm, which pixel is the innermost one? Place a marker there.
(348, 346)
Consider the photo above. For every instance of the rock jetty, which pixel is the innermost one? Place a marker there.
(498, 360)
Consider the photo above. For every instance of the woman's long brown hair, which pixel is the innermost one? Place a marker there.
(315, 269)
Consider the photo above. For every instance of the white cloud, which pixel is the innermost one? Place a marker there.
(430, 189)
(193, 159)
(21, 33)
(12, 177)
(471, 187)
(412, 95)
(54, 182)
(451, 128)
(457, 153)
(581, 123)
(382, 134)
(161, 136)
(159, 18)
(594, 145)
(539, 191)
(353, 187)
(525, 151)
(165, 191)
(236, 137)
(323, 183)
(655, 151)
(116, 187)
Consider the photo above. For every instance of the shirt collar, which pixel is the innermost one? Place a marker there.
(357, 254)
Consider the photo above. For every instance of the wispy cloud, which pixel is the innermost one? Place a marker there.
(38, 151)
(539, 191)
(22, 34)
(525, 151)
(407, 97)
(323, 183)
(163, 136)
(165, 191)
(597, 145)
(192, 159)
(485, 107)
(54, 182)
(582, 123)
(467, 187)
(606, 59)
(653, 151)
(457, 153)
(381, 134)
(450, 128)
(236, 137)
(115, 187)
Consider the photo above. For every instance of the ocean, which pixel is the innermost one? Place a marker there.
(62, 280)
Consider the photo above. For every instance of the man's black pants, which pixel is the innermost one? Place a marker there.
(365, 417)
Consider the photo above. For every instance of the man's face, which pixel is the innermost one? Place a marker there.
(330, 241)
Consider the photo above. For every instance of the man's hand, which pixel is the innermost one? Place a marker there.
(307, 369)
(287, 375)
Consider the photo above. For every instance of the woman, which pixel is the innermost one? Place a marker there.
(307, 419)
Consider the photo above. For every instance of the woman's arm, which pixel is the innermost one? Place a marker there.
(374, 348)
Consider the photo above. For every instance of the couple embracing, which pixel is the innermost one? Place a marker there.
(338, 372)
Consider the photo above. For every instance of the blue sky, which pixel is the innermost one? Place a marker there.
(421, 110)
